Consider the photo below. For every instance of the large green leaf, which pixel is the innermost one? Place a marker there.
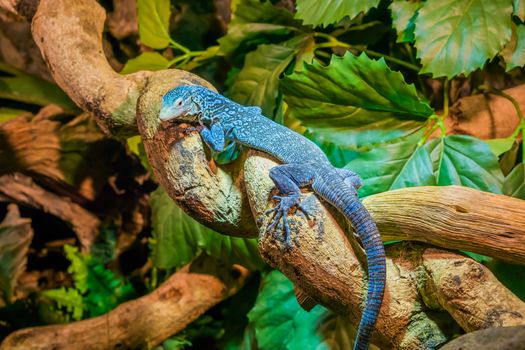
(154, 21)
(29, 89)
(326, 12)
(253, 19)
(177, 238)
(465, 160)
(514, 184)
(404, 14)
(515, 57)
(394, 165)
(257, 82)
(281, 323)
(354, 101)
(458, 36)
(145, 61)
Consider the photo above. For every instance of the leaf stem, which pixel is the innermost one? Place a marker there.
(178, 46)
(438, 119)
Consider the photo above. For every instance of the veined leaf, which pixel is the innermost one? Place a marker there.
(459, 36)
(154, 21)
(281, 323)
(145, 61)
(404, 14)
(465, 160)
(514, 184)
(354, 101)
(394, 165)
(177, 238)
(257, 82)
(253, 19)
(326, 12)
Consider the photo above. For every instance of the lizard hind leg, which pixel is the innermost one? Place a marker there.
(289, 178)
(350, 178)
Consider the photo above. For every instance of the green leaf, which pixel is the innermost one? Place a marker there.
(394, 165)
(254, 20)
(177, 238)
(68, 298)
(258, 81)
(15, 237)
(326, 12)
(458, 36)
(465, 160)
(29, 89)
(145, 61)
(514, 53)
(404, 14)
(514, 184)
(281, 323)
(354, 101)
(10, 113)
(519, 9)
(500, 146)
(154, 21)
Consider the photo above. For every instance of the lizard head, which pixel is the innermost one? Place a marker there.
(181, 103)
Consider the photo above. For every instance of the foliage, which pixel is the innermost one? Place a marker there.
(19, 86)
(280, 322)
(96, 289)
(178, 239)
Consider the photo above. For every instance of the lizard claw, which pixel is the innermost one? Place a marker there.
(281, 211)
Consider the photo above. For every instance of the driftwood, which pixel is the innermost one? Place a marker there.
(21, 189)
(145, 322)
(422, 281)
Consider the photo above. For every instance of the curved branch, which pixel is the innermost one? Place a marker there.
(423, 283)
(144, 322)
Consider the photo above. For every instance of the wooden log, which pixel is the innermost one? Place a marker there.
(145, 322)
(453, 217)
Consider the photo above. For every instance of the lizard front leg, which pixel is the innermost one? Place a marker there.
(289, 178)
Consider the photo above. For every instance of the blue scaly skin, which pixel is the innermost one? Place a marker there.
(304, 164)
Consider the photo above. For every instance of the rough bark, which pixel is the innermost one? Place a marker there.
(145, 322)
(453, 217)
(501, 338)
(423, 283)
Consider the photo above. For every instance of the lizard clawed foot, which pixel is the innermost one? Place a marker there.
(280, 213)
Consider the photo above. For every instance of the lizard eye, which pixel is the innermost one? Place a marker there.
(178, 103)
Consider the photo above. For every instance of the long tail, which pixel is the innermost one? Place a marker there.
(333, 189)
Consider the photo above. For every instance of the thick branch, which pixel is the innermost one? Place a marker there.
(453, 217)
(144, 322)
(423, 283)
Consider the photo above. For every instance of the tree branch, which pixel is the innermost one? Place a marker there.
(144, 322)
(424, 284)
